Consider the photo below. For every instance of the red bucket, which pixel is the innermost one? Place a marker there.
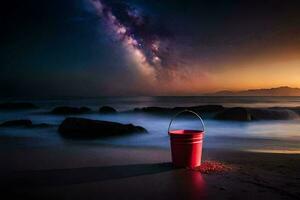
(186, 145)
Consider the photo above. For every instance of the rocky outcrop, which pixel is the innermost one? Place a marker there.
(107, 110)
(81, 128)
(15, 123)
(17, 106)
(67, 110)
(23, 123)
(294, 109)
(249, 114)
(205, 109)
(272, 114)
(234, 114)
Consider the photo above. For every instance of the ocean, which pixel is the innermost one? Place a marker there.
(281, 136)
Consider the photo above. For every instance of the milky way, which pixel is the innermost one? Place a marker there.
(129, 26)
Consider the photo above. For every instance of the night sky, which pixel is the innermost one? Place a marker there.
(147, 47)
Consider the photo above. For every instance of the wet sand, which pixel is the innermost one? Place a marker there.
(113, 172)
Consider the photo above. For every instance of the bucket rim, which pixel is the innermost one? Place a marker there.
(186, 132)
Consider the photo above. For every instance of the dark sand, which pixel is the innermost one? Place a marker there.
(108, 172)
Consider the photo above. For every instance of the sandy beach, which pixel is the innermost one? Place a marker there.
(114, 172)
(39, 161)
(150, 100)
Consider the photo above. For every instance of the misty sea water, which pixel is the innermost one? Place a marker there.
(275, 135)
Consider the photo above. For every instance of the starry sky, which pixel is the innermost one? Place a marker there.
(147, 47)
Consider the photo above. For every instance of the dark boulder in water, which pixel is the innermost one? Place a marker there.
(203, 109)
(294, 109)
(81, 128)
(17, 106)
(16, 123)
(272, 114)
(67, 110)
(248, 114)
(234, 114)
(24, 123)
(107, 110)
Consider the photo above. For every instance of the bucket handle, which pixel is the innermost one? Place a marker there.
(184, 111)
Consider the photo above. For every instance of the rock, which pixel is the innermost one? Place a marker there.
(248, 114)
(294, 109)
(24, 123)
(89, 129)
(14, 123)
(234, 114)
(107, 110)
(272, 114)
(17, 106)
(67, 110)
(205, 109)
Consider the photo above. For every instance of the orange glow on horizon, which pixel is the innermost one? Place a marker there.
(257, 75)
(252, 73)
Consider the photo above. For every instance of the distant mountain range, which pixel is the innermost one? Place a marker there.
(279, 91)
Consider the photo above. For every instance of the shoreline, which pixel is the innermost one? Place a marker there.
(138, 173)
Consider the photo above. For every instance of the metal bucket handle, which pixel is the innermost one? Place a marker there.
(184, 111)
